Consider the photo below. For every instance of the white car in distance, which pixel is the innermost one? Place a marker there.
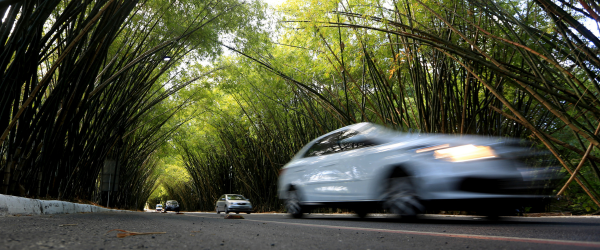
(365, 167)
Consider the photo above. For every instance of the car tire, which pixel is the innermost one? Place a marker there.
(247, 212)
(401, 198)
(292, 204)
(226, 210)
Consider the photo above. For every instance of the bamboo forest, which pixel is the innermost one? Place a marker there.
(124, 103)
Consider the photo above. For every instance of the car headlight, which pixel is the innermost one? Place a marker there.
(464, 153)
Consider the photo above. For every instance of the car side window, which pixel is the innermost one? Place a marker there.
(350, 145)
(222, 197)
(334, 144)
(327, 145)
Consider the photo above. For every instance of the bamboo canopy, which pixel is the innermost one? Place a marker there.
(82, 82)
(496, 68)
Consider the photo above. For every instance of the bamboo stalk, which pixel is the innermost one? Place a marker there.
(587, 153)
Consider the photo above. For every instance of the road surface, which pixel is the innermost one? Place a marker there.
(279, 231)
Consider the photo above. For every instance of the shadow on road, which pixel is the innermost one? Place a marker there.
(452, 220)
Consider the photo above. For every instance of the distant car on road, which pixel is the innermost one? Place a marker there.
(365, 167)
(158, 207)
(233, 203)
(171, 205)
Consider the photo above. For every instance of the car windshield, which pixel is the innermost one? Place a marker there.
(174, 203)
(158, 205)
(235, 197)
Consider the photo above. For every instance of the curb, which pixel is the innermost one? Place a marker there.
(14, 205)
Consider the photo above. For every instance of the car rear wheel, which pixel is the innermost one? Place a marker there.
(401, 198)
(248, 213)
(292, 204)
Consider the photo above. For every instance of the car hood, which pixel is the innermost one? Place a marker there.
(239, 201)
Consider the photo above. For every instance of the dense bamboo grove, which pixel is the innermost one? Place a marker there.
(524, 69)
(519, 68)
(251, 156)
(84, 81)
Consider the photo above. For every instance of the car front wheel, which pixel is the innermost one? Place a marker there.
(292, 204)
(401, 198)
(226, 210)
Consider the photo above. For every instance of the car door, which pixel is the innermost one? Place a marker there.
(325, 179)
(357, 162)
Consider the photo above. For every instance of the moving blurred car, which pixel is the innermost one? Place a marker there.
(233, 203)
(171, 205)
(364, 167)
(158, 207)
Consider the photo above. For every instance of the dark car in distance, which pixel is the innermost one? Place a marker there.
(171, 205)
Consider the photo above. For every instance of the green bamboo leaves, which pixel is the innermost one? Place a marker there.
(86, 81)
(504, 68)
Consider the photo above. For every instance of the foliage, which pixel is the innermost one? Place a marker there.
(85, 81)
(502, 68)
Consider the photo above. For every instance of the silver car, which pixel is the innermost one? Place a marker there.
(233, 203)
(366, 167)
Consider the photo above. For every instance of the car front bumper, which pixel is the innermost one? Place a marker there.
(240, 208)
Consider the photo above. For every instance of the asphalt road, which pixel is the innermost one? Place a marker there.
(279, 231)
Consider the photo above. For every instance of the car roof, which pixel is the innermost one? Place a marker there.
(365, 128)
(387, 135)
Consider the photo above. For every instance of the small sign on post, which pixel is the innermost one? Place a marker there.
(110, 178)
